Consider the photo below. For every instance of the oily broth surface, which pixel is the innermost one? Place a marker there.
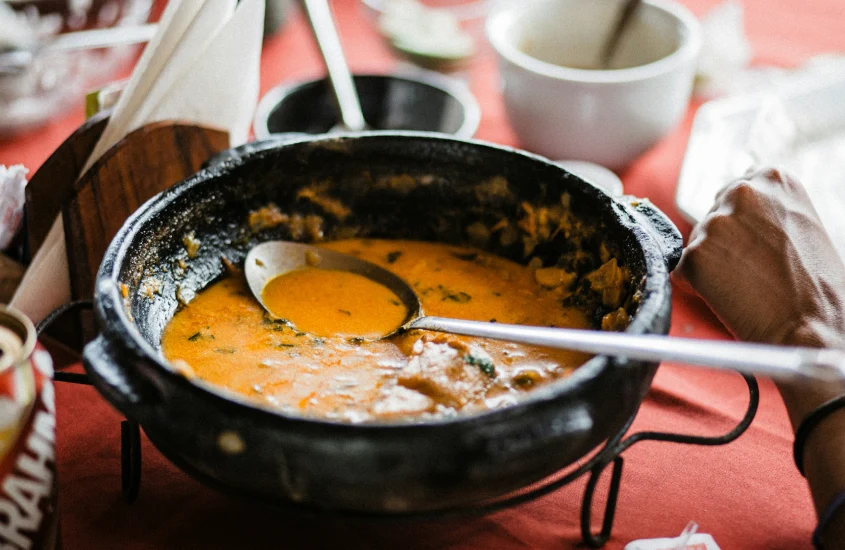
(224, 337)
(330, 303)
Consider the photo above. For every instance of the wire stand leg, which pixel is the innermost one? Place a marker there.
(130, 460)
(130, 431)
(597, 541)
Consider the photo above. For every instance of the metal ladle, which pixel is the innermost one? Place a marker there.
(626, 15)
(325, 32)
(273, 258)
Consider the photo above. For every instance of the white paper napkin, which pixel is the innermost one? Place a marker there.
(229, 58)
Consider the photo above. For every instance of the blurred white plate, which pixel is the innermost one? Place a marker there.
(594, 173)
(799, 126)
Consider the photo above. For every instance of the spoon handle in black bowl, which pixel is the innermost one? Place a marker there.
(322, 24)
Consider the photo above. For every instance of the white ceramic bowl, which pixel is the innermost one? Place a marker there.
(610, 116)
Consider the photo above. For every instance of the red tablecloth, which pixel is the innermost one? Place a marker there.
(747, 494)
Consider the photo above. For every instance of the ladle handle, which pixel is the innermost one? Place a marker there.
(325, 32)
(781, 362)
(625, 16)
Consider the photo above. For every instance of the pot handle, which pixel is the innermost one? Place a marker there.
(124, 388)
(661, 228)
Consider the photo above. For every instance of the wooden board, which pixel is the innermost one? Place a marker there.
(53, 184)
(144, 163)
(11, 273)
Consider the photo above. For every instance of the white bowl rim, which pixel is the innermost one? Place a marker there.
(688, 50)
(476, 9)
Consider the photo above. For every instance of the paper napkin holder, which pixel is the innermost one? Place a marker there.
(95, 206)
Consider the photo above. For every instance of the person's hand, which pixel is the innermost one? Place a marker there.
(765, 265)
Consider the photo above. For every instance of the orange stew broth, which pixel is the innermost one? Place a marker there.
(224, 337)
(329, 303)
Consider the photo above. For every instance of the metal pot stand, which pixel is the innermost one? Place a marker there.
(609, 455)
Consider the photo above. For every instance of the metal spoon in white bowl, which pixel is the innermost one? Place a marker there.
(626, 15)
(274, 258)
(325, 32)
(16, 61)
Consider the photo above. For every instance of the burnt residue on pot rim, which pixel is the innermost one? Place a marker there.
(658, 239)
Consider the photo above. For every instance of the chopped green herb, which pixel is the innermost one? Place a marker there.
(345, 312)
(283, 345)
(493, 320)
(485, 365)
(356, 341)
(227, 351)
(466, 256)
(273, 321)
(195, 337)
(393, 256)
(298, 334)
(460, 297)
(317, 342)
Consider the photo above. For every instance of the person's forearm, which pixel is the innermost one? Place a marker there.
(801, 399)
(824, 449)
(825, 471)
(763, 262)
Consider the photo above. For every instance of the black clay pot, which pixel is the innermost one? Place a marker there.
(398, 185)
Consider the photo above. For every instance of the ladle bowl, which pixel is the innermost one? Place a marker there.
(275, 258)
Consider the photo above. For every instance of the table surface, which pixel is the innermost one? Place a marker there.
(746, 494)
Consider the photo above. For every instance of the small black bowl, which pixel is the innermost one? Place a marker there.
(424, 101)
